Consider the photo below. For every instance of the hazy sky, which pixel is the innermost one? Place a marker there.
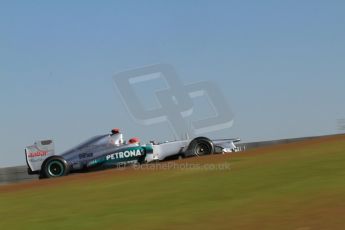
(280, 64)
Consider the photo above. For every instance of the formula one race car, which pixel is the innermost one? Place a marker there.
(110, 150)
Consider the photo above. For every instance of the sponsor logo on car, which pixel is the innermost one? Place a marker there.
(125, 154)
(38, 154)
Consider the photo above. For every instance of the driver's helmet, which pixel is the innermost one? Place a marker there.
(134, 140)
(115, 131)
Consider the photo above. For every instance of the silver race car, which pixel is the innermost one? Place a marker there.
(110, 150)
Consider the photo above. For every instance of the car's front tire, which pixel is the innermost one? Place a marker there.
(53, 167)
(201, 146)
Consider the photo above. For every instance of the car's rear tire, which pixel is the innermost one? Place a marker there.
(201, 146)
(54, 166)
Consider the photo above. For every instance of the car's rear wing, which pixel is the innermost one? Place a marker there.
(37, 153)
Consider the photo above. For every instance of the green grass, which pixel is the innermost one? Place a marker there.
(300, 187)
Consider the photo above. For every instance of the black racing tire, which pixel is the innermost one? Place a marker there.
(53, 167)
(201, 146)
